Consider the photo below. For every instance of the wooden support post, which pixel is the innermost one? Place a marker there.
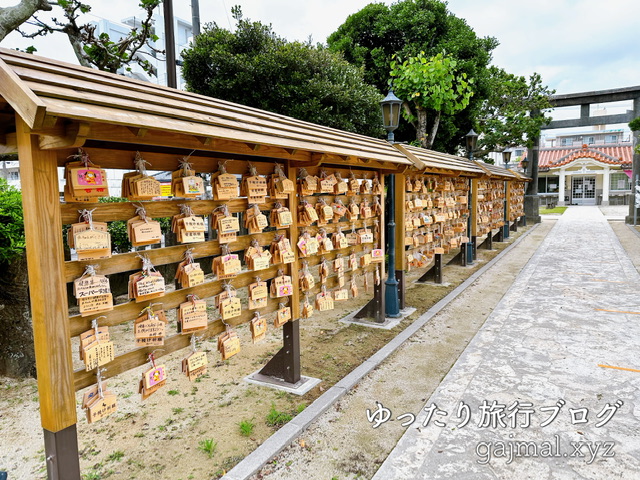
(435, 272)
(286, 363)
(376, 308)
(474, 247)
(47, 288)
(499, 237)
(514, 227)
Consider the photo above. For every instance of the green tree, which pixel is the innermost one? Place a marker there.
(374, 35)
(100, 51)
(253, 66)
(430, 84)
(511, 115)
(12, 241)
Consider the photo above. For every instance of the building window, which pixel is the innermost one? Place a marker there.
(548, 184)
(611, 139)
(567, 142)
(589, 140)
(619, 181)
(518, 152)
(14, 175)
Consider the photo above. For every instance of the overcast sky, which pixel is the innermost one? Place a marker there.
(576, 45)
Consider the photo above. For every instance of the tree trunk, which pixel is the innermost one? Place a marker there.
(76, 44)
(434, 130)
(12, 17)
(421, 129)
(17, 357)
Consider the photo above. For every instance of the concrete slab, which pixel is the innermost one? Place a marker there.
(572, 310)
(303, 386)
(388, 324)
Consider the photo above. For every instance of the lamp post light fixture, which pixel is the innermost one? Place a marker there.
(390, 114)
(525, 164)
(472, 141)
(506, 158)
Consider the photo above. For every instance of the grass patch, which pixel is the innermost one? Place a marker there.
(556, 210)
(277, 418)
(246, 427)
(208, 446)
(116, 456)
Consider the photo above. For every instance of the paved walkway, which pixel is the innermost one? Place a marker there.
(569, 311)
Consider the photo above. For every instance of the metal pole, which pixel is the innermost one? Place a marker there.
(635, 203)
(170, 44)
(392, 304)
(195, 17)
(505, 227)
(470, 243)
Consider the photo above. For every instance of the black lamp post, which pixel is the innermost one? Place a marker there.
(506, 156)
(525, 164)
(390, 113)
(390, 120)
(472, 140)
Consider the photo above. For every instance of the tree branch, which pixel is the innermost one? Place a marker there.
(12, 17)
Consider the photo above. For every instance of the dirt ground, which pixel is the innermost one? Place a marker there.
(192, 430)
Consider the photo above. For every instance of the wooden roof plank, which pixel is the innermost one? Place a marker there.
(198, 103)
(30, 108)
(109, 115)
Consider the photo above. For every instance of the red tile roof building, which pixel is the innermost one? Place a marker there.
(585, 175)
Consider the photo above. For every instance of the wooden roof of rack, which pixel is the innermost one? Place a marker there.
(431, 161)
(67, 105)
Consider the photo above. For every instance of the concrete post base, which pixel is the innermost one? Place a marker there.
(532, 208)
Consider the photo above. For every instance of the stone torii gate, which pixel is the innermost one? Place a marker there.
(585, 100)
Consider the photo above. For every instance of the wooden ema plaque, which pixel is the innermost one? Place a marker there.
(228, 344)
(89, 337)
(281, 286)
(283, 315)
(92, 244)
(377, 255)
(195, 365)
(146, 286)
(341, 294)
(93, 294)
(190, 229)
(225, 186)
(150, 330)
(95, 304)
(192, 316)
(101, 407)
(258, 327)
(230, 308)
(97, 354)
(152, 380)
(324, 301)
(82, 227)
(86, 181)
(255, 188)
(189, 274)
(143, 232)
